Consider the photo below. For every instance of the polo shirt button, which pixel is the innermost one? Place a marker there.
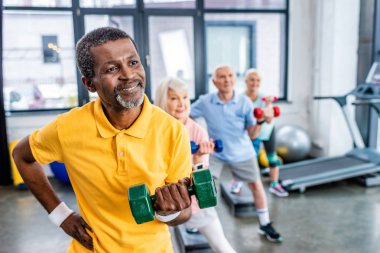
(121, 153)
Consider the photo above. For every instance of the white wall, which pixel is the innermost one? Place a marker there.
(322, 61)
(337, 65)
(21, 126)
(296, 111)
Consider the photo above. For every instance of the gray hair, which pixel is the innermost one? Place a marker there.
(220, 67)
(175, 84)
(250, 72)
(97, 37)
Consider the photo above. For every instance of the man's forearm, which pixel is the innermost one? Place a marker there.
(38, 183)
(34, 176)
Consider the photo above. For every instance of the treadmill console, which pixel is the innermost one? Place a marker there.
(366, 91)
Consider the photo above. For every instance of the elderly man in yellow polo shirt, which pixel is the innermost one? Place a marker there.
(109, 145)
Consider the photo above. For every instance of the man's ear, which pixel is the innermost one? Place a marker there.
(89, 84)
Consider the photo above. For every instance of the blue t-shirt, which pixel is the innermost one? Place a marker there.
(227, 121)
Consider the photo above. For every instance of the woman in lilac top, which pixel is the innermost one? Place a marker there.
(172, 96)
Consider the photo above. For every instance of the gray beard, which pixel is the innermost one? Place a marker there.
(131, 103)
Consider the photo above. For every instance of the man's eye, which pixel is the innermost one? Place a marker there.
(112, 69)
(134, 63)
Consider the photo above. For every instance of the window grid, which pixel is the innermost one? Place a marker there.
(140, 14)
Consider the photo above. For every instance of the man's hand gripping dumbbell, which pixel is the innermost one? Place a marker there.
(268, 112)
(170, 200)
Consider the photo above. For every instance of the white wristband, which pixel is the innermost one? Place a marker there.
(167, 218)
(59, 214)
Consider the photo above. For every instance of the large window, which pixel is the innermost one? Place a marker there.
(37, 3)
(180, 38)
(170, 59)
(108, 3)
(245, 41)
(172, 4)
(38, 58)
(246, 4)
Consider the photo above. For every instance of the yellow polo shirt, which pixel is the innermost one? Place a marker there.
(103, 162)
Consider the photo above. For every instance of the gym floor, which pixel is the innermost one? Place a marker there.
(337, 217)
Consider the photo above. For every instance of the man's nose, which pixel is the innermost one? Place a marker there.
(126, 72)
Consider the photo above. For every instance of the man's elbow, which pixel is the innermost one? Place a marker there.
(21, 153)
(16, 153)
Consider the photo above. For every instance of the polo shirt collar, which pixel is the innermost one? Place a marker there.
(216, 100)
(138, 129)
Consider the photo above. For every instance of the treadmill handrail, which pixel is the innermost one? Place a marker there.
(341, 100)
(352, 125)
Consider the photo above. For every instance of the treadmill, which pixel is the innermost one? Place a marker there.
(359, 161)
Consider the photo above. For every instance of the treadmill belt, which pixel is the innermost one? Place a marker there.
(340, 163)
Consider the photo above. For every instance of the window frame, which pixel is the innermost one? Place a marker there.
(252, 37)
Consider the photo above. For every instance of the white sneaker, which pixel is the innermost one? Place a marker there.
(236, 186)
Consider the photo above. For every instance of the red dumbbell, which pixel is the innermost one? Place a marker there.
(259, 113)
(269, 99)
(276, 111)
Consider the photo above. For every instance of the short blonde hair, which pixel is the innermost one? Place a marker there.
(250, 72)
(175, 84)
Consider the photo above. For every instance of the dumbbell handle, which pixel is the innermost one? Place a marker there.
(190, 189)
(218, 146)
(273, 98)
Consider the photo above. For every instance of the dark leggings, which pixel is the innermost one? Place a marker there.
(270, 145)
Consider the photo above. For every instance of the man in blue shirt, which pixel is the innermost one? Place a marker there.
(229, 117)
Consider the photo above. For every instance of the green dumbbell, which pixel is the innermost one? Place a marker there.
(141, 203)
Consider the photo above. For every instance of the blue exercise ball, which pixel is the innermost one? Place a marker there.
(59, 171)
(292, 143)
